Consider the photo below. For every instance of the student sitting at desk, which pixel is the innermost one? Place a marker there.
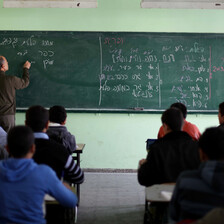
(23, 183)
(57, 130)
(170, 155)
(48, 151)
(188, 127)
(198, 192)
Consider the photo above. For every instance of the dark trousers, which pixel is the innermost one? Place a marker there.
(7, 122)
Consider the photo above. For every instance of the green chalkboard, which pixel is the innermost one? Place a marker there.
(123, 71)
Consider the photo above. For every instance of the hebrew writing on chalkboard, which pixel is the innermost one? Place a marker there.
(122, 71)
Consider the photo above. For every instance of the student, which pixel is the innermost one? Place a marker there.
(48, 151)
(57, 130)
(23, 183)
(8, 86)
(170, 155)
(188, 127)
(198, 192)
(221, 115)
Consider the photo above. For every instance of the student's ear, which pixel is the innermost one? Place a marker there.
(33, 149)
(203, 156)
(7, 148)
(166, 128)
(31, 152)
(222, 119)
(64, 122)
(46, 126)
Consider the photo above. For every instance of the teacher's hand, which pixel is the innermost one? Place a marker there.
(27, 65)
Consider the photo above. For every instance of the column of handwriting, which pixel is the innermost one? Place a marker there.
(192, 85)
(24, 48)
(130, 71)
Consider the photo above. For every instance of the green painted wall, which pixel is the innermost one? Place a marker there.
(115, 140)
(118, 140)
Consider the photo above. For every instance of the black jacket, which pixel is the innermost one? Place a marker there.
(56, 156)
(168, 157)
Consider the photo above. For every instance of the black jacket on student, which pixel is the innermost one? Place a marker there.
(168, 157)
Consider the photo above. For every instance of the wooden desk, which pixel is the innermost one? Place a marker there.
(157, 198)
(56, 213)
(78, 151)
(76, 156)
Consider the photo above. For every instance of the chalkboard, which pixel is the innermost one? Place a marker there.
(122, 71)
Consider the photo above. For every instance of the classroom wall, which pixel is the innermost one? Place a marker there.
(115, 141)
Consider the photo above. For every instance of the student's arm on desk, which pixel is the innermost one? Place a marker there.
(147, 171)
(73, 172)
(58, 191)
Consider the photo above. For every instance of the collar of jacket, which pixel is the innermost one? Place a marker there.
(176, 134)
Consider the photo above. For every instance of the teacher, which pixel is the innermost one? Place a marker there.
(8, 87)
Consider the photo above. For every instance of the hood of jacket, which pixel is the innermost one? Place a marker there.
(16, 169)
(212, 173)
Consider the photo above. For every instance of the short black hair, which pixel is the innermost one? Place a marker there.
(20, 139)
(57, 114)
(211, 143)
(173, 117)
(37, 118)
(221, 108)
(181, 107)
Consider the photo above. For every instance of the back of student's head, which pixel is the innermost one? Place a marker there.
(181, 107)
(20, 139)
(2, 61)
(221, 108)
(212, 143)
(57, 114)
(37, 118)
(173, 118)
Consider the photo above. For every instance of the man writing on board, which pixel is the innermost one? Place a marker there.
(8, 86)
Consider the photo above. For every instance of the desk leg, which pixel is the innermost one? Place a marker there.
(78, 185)
(78, 192)
(78, 159)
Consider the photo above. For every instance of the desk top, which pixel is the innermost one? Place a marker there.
(159, 192)
(48, 198)
(79, 148)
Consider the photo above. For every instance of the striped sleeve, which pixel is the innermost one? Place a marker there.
(73, 173)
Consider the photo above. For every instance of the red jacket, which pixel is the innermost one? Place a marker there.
(188, 127)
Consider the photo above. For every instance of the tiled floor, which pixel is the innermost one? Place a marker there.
(111, 198)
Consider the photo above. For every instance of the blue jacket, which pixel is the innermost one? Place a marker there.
(23, 185)
(198, 192)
